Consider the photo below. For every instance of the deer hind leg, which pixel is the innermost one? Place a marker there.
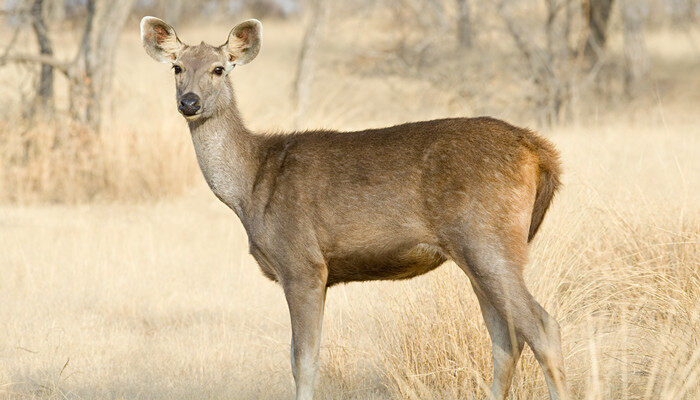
(506, 348)
(305, 298)
(497, 279)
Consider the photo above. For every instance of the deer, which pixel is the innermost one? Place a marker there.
(325, 207)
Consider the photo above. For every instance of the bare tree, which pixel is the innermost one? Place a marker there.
(44, 91)
(464, 24)
(597, 14)
(634, 12)
(306, 64)
(90, 72)
(552, 64)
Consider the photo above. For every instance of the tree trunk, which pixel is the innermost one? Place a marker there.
(597, 16)
(464, 24)
(105, 21)
(305, 66)
(45, 87)
(636, 57)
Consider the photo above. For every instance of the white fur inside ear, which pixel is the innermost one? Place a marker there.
(160, 40)
(244, 42)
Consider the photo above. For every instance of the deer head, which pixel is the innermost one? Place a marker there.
(201, 71)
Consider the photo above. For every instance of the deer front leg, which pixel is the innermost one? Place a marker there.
(305, 298)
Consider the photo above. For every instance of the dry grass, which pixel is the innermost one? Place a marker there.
(63, 162)
(161, 300)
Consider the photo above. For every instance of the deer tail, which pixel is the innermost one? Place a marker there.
(547, 184)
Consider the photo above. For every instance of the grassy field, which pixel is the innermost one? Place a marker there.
(159, 299)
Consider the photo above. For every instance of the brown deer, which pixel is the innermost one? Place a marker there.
(327, 207)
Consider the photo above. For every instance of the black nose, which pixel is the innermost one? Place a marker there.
(189, 104)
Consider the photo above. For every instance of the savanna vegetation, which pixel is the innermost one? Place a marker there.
(122, 277)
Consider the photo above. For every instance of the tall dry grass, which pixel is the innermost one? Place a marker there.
(160, 299)
(64, 162)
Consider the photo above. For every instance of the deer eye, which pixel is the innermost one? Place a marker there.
(177, 69)
(219, 71)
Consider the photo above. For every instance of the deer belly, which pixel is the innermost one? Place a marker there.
(401, 263)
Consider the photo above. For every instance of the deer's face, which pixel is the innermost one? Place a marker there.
(201, 71)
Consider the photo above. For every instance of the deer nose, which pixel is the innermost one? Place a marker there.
(189, 104)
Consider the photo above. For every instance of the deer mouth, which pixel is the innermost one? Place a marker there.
(192, 117)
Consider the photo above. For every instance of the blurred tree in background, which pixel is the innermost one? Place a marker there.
(559, 48)
(597, 14)
(89, 71)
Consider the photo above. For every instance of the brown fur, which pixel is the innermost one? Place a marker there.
(327, 207)
(391, 189)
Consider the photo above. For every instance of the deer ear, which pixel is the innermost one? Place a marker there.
(244, 42)
(160, 40)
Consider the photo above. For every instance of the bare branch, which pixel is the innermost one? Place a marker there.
(62, 66)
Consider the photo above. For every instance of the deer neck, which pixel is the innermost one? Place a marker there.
(227, 153)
